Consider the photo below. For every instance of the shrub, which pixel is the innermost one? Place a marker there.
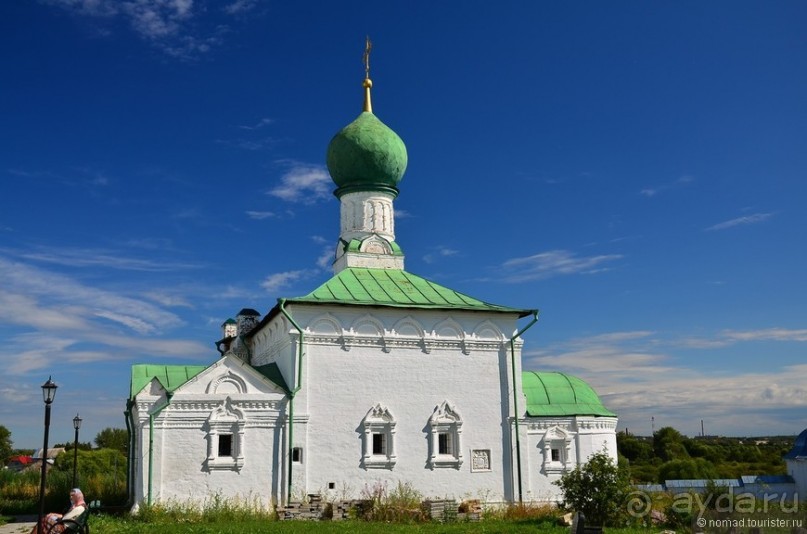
(401, 505)
(597, 489)
(526, 512)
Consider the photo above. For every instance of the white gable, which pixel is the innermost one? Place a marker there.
(229, 376)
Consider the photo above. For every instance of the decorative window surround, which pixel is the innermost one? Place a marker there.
(225, 423)
(557, 445)
(378, 443)
(445, 431)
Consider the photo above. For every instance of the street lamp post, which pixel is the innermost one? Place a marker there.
(48, 394)
(76, 425)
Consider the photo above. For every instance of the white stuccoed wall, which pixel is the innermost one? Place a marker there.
(586, 435)
(426, 357)
(180, 468)
(798, 470)
(409, 361)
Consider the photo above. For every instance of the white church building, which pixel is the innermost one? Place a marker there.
(376, 376)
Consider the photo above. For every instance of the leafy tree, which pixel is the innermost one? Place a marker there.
(598, 489)
(93, 463)
(668, 444)
(87, 446)
(633, 448)
(5, 445)
(687, 469)
(113, 438)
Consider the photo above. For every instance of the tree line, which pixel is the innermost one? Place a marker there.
(108, 438)
(669, 455)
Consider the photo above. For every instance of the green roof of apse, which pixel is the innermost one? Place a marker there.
(272, 372)
(170, 376)
(398, 288)
(558, 394)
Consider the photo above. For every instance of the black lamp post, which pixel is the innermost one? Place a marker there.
(76, 425)
(48, 394)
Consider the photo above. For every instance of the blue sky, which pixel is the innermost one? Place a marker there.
(636, 170)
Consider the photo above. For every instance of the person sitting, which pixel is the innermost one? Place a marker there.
(55, 521)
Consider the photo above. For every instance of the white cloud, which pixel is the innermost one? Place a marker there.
(439, 252)
(747, 219)
(304, 183)
(277, 281)
(554, 263)
(171, 25)
(325, 258)
(680, 182)
(239, 7)
(253, 145)
(260, 124)
(50, 301)
(260, 215)
(76, 257)
(637, 377)
(726, 338)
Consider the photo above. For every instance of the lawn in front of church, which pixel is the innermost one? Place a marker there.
(117, 525)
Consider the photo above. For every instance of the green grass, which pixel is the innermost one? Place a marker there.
(114, 525)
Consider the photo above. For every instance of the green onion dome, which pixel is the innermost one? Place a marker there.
(366, 155)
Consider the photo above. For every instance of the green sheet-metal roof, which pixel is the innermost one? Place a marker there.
(552, 394)
(394, 287)
(272, 372)
(170, 376)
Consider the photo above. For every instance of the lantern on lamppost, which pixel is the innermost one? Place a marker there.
(76, 425)
(48, 394)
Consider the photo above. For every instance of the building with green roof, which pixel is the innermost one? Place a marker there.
(376, 375)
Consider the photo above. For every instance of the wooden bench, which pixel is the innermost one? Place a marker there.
(78, 525)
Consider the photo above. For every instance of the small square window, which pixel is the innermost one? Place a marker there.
(379, 444)
(225, 445)
(297, 455)
(555, 455)
(444, 443)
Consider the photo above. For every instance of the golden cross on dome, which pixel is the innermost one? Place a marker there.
(368, 83)
(368, 45)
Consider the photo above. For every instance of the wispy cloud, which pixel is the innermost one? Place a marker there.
(680, 182)
(49, 300)
(731, 337)
(253, 145)
(260, 215)
(51, 319)
(75, 257)
(740, 221)
(239, 7)
(638, 375)
(439, 252)
(325, 258)
(260, 124)
(304, 183)
(278, 281)
(555, 263)
(170, 25)
(165, 298)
